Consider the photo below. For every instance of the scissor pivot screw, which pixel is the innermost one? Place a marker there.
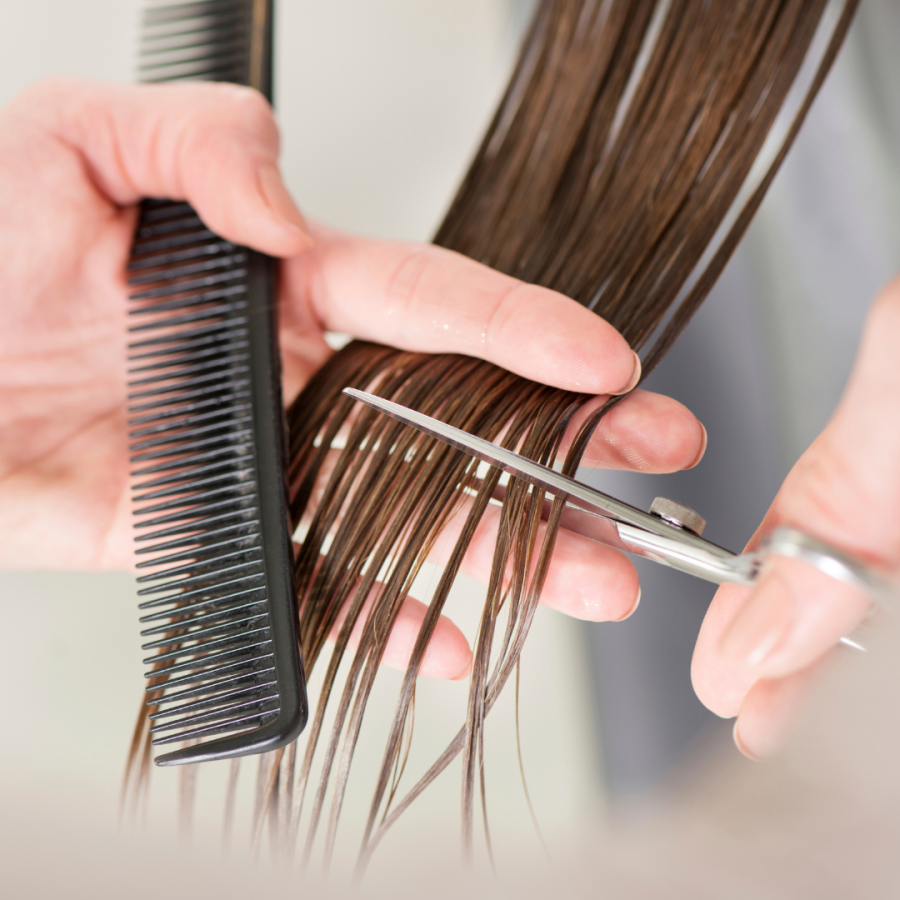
(678, 514)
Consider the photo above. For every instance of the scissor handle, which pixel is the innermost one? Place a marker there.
(795, 544)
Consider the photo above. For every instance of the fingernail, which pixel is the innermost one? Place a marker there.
(635, 376)
(761, 626)
(634, 606)
(703, 441)
(281, 203)
(739, 743)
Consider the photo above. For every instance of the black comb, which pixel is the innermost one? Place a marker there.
(208, 440)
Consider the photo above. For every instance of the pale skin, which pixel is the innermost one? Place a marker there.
(759, 652)
(76, 156)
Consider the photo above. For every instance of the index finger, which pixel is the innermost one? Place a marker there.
(214, 145)
(424, 298)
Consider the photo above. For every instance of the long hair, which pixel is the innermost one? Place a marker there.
(633, 144)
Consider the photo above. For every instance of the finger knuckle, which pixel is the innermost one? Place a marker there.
(227, 108)
(405, 282)
(500, 308)
(823, 483)
(247, 108)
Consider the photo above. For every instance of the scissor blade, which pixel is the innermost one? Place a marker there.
(687, 553)
(632, 529)
(554, 482)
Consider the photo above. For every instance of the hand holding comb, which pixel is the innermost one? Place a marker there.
(207, 440)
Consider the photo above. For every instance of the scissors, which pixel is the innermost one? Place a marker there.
(669, 533)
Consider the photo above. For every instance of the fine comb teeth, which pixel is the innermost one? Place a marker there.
(208, 448)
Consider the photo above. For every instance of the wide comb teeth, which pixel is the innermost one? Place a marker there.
(208, 41)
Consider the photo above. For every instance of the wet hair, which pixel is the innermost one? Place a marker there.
(633, 145)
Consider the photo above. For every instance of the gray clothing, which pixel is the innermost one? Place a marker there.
(763, 365)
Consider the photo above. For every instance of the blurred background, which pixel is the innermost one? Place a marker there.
(636, 788)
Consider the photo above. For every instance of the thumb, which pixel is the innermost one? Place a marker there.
(214, 145)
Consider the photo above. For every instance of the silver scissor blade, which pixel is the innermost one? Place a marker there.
(555, 482)
(636, 531)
